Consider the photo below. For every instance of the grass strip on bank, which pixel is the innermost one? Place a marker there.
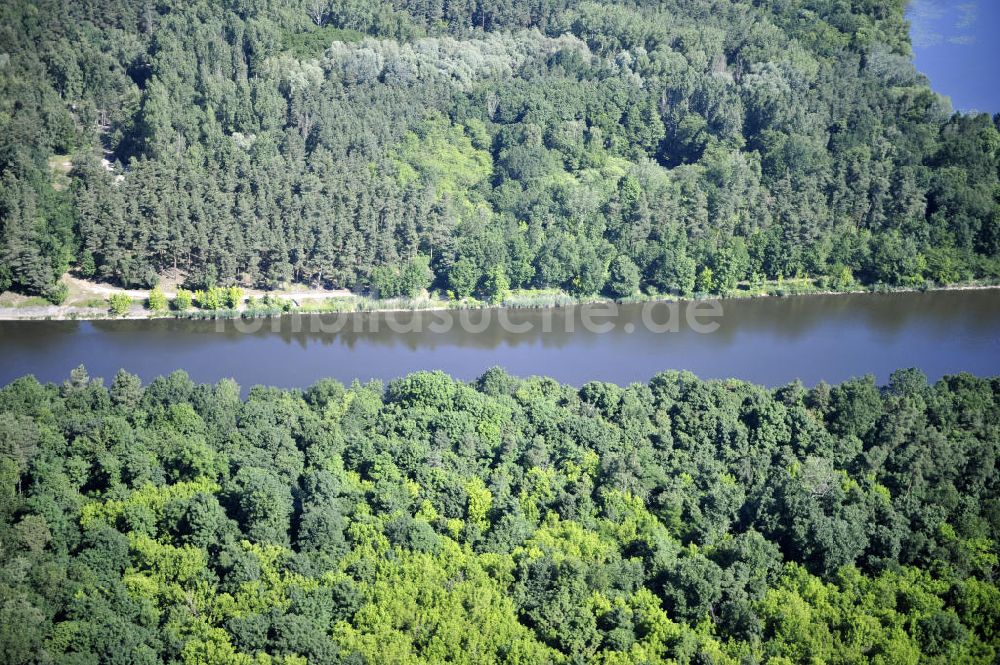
(230, 303)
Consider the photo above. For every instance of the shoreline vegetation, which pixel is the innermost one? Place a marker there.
(119, 304)
(592, 148)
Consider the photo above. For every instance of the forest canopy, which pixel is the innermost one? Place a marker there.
(504, 520)
(546, 143)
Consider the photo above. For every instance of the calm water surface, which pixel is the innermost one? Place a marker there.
(769, 341)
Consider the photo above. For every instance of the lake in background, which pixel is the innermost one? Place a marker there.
(770, 341)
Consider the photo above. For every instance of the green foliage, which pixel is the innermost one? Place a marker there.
(416, 276)
(706, 281)
(944, 266)
(505, 520)
(217, 297)
(269, 301)
(844, 279)
(233, 297)
(674, 271)
(6, 277)
(326, 143)
(120, 303)
(407, 282)
(156, 301)
(462, 278)
(623, 277)
(183, 300)
(496, 286)
(433, 389)
(57, 294)
(731, 264)
(88, 268)
(313, 42)
(442, 155)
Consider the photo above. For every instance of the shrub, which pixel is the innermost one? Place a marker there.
(182, 300)
(232, 297)
(416, 276)
(496, 287)
(844, 279)
(213, 298)
(57, 294)
(156, 301)
(120, 303)
(706, 281)
(274, 302)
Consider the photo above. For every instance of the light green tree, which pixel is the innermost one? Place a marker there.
(156, 301)
(706, 281)
(120, 303)
(183, 299)
(233, 297)
(416, 276)
(844, 280)
(496, 287)
(212, 298)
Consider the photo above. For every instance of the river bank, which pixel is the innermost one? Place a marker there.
(88, 301)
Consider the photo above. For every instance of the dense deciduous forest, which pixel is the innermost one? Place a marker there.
(506, 520)
(390, 146)
(587, 146)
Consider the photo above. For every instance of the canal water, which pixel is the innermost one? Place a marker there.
(770, 341)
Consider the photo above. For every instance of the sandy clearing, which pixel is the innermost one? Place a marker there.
(87, 298)
(84, 288)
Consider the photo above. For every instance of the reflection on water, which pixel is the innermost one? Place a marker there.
(769, 341)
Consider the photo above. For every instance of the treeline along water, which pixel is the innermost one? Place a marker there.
(769, 341)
